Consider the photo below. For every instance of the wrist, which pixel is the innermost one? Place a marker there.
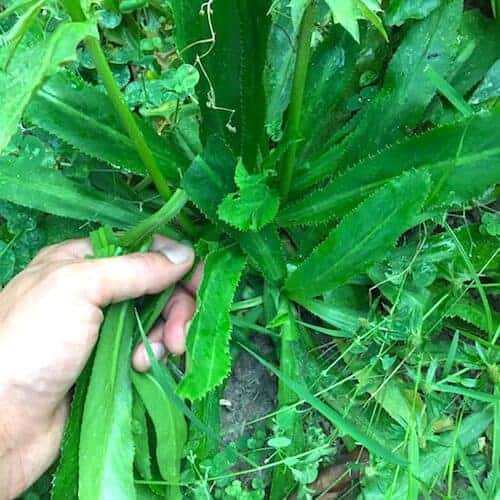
(26, 455)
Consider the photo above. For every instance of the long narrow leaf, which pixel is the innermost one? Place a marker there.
(23, 77)
(106, 445)
(84, 117)
(50, 191)
(377, 224)
(170, 429)
(466, 152)
(209, 360)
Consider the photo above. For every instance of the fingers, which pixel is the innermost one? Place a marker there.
(193, 284)
(169, 335)
(177, 315)
(140, 358)
(130, 276)
(69, 250)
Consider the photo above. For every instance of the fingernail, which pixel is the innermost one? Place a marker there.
(177, 253)
(158, 350)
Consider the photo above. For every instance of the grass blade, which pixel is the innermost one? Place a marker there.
(336, 418)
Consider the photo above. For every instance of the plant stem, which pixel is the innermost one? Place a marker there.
(135, 236)
(297, 98)
(124, 114)
(126, 117)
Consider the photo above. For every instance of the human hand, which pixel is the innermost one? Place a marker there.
(50, 316)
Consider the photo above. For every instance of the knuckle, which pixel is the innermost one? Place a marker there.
(44, 253)
(64, 275)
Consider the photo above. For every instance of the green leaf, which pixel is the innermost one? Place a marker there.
(400, 105)
(209, 178)
(106, 445)
(478, 49)
(84, 117)
(207, 410)
(400, 11)
(65, 482)
(473, 313)
(16, 33)
(140, 432)
(463, 160)
(231, 94)
(433, 462)
(253, 205)
(265, 252)
(170, 429)
(377, 224)
(280, 64)
(7, 262)
(489, 87)
(332, 77)
(22, 79)
(290, 365)
(349, 12)
(209, 361)
(50, 191)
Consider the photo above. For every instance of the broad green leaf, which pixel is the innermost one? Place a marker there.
(463, 160)
(106, 445)
(170, 429)
(377, 223)
(331, 78)
(231, 60)
(21, 80)
(253, 205)
(478, 48)
(209, 361)
(84, 117)
(400, 11)
(349, 12)
(489, 88)
(65, 482)
(280, 63)
(209, 178)
(402, 101)
(48, 190)
(265, 252)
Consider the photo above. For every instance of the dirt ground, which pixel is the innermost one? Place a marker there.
(251, 392)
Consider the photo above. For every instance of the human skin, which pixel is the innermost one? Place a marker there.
(50, 316)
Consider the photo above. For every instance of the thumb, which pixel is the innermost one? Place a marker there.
(130, 276)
